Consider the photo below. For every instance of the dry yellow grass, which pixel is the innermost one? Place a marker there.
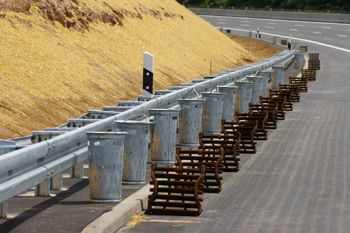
(49, 73)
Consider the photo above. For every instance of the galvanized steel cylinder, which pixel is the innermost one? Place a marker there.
(229, 102)
(244, 96)
(277, 76)
(136, 150)
(298, 60)
(212, 112)
(105, 151)
(190, 121)
(294, 45)
(163, 135)
(256, 90)
(266, 76)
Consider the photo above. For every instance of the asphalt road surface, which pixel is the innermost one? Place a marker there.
(299, 181)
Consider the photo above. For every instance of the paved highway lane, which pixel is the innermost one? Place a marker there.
(328, 33)
(299, 181)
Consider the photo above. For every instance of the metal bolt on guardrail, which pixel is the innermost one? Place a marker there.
(244, 97)
(266, 77)
(190, 121)
(256, 89)
(212, 112)
(135, 151)
(298, 60)
(277, 76)
(163, 135)
(229, 102)
(106, 151)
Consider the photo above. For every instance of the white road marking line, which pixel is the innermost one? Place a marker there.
(244, 25)
(246, 21)
(295, 30)
(269, 27)
(316, 32)
(222, 19)
(326, 27)
(300, 39)
(299, 25)
(341, 35)
(294, 21)
(221, 23)
(271, 23)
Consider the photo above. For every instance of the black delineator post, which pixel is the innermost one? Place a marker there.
(148, 64)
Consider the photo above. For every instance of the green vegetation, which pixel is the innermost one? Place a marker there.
(304, 5)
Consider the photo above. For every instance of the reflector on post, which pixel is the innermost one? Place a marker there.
(148, 64)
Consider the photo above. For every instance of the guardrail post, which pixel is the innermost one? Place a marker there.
(190, 121)
(229, 102)
(294, 45)
(256, 89)
(212, 112)
(250, 34)
(106, 151)
(244, 96)
(43, 189)
(135, 151)
(56, 182)
(277, 76)
(298, 60)
(274, 39)
(3, 209)
(78, 171)
(163, 135)
(266, 76)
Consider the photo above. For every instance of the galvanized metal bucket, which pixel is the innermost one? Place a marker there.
(229, 102)
(163, 134)
(190, 121)
(212, 112)
(298, 60)
(277, 76)
(256, 90)
(136, 150)
(266, 76)
(105, 151)
(244, 96)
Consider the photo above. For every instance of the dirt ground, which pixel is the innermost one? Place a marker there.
(60, 58)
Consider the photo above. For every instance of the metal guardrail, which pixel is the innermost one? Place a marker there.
(319, 17)
(28, 167)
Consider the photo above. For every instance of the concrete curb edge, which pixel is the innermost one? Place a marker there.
(121, 213)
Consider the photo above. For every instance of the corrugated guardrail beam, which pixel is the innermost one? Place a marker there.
(25, 168)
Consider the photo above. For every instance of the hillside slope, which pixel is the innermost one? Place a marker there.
(61, 57)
